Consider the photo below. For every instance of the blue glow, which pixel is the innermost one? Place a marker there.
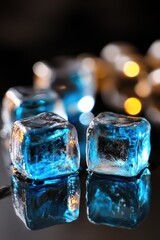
(30, 108)
(46, 204)
(86, 118)
(86, 104)
(22, 102)
(73, 83)
(117, 201)
(44, 146)
(117, 144)
(75, 87)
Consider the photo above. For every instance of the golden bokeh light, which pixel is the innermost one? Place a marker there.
(143, 89)
(132, 106)
(131, 69)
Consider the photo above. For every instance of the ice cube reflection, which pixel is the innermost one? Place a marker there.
(116, 201)
(44, 204)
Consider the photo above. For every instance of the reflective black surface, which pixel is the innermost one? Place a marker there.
(118, 201)
(44, 204)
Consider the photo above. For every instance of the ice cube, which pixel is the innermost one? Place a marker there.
(118, 201)
(44, 146)
(41, 205)
(73, 79)
(21, 102)
(118, 144)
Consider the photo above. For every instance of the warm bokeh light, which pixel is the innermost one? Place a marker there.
(143, 89)
(10, 95)
(153, 114)
(154, 77)
(120, 62)
(10, 104)
(154, 49)
(88, 64)
(132, 106)
(42, 75)
(113, 50)
(40, 69)
(101, 69)
(131, 69)
(110, 52)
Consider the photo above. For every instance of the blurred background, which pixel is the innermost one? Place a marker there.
(34, 30)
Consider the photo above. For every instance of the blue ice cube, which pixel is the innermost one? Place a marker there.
(44, 146)
(118, 201)
(21, 102)
(118, 144)
(41, 205)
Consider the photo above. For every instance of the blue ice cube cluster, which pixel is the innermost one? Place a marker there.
(48, 203)
(44, 148)
(118, 144)
(45, 156)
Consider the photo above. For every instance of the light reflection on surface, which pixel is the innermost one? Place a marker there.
(73, 202)
(118, 202)
(18, 134)
(44, 204)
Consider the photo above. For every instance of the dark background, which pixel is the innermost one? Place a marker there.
(33, 30)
